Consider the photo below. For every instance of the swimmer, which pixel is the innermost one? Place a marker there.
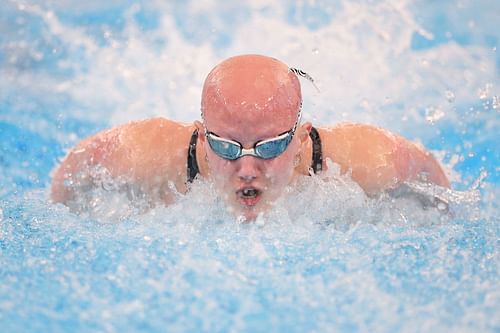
(250, 143)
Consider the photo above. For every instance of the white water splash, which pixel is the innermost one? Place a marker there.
(329, 198)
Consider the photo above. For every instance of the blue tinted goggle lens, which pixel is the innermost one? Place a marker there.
(266, 149)
(223, 148)
(273, 148)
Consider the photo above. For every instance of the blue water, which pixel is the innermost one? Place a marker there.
(327, 258)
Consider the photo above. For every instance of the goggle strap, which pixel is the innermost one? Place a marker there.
(300, 72)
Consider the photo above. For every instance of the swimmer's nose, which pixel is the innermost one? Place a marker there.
(248, 168)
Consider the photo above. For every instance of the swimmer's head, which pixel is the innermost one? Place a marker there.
(251, 84)
(248, 99)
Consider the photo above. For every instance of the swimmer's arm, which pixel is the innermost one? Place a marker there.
(379, 160)
(149, 155)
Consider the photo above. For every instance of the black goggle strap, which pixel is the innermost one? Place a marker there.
(303, 74)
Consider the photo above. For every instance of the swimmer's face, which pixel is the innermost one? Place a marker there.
(250, 185)
(251, 100)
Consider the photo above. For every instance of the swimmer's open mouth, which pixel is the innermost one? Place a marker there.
(249, 196)
(248, 192)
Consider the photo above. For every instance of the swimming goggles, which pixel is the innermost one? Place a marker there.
(265, 149)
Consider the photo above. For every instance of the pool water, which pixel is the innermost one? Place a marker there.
(326, 258)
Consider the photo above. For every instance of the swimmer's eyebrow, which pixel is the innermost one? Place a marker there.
(300, 72)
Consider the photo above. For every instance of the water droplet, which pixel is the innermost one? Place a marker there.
(433, 114)
(450, 96)
(484, 92)
(442, 206)
(495, 104)
(315, 50)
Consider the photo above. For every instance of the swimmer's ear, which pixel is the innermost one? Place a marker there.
(201, 130)
(303, 131)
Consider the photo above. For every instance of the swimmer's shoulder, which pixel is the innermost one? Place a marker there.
(366, 151)
(155, 134)
(157, 148)
(149, 153)
(377, 158)
(347, 141)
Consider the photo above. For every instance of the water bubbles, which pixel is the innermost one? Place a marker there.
(450, 96)
(442, 206)
(484, 92)
(433, 114)
(495, 104)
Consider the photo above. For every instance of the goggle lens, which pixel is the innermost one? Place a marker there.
(273, 148)
(223, 148)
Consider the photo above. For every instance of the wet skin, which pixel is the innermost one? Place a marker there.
(246, 99)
